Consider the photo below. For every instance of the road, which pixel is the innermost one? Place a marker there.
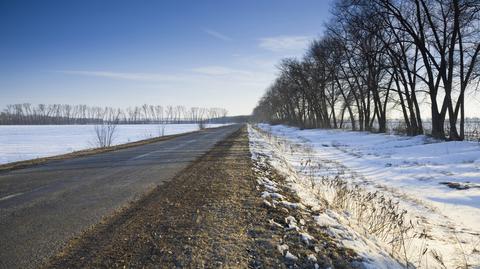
(44, 206)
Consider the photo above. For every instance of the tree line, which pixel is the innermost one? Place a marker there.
(379, 57)
(83, 114)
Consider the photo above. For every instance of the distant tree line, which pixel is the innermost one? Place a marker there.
(83, 114)
(377, 56)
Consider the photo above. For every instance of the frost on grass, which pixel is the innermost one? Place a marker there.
(380, 195)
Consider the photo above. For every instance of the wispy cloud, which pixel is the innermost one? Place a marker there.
(125, 76)
(219, 71)
(285, 43)
(203, 73)
(217, 34)
(214, 75)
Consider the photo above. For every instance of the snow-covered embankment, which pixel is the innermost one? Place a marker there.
(383, 193)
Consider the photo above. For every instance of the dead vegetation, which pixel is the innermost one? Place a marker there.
(299, 241)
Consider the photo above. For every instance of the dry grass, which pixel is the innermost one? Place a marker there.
(328, 253)
(372, 212)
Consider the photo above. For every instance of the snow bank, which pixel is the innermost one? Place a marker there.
(436, 182)
(271, 151)
(24, 142)
(415, 166)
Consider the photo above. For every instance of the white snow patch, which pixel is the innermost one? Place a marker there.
(312, 258)
(290, 204)
(306, 238)
(290, 256)
(273, 195)
(267, 203)
(282, 248)
(326, 221)
(274, 223)
(292, 223)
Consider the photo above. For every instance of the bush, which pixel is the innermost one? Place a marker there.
(104, 134)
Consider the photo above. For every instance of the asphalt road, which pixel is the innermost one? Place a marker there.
(44, 206)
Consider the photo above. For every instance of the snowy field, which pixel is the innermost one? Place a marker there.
(436, 184)
(25, 142)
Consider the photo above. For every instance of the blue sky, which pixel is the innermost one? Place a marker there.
(125, 53)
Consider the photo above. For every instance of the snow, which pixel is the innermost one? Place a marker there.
(267, 203)
(411, 171)
(268, 184)
(290, 204)
(411, 165)
(326, 221)
(282, 248)
(292, 222)
(290, 256)
(312, 258)
(273, 195)
(24, 142)
(306, 238)
(275, 224)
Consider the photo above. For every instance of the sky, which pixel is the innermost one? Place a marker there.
(126, 53)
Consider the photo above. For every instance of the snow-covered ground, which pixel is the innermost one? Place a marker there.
(24, 142)
(442, 224)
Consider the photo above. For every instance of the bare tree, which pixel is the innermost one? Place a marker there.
(105, 131)
(380, 55)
